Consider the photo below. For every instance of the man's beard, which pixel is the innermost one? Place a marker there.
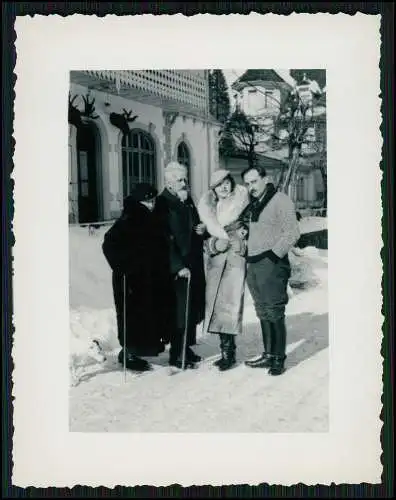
(182, 194)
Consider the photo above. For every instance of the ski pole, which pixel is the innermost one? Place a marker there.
(124, 311)
(186, 322)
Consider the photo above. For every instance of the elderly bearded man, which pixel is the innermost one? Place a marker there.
(186, 235)
(273, 232)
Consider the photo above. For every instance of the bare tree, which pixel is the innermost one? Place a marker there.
(245, 134)
(320, 160)
(240, 133)
(297, 116)
(289, 130)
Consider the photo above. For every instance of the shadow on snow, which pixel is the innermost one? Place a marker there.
(308, 331)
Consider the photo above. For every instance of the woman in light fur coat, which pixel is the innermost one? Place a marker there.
(219, 209)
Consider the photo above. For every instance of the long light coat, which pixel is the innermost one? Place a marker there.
(226, 271)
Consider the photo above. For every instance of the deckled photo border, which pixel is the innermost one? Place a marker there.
(349, 177)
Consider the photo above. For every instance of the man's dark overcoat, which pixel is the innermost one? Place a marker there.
(186, 250)
(136, 246)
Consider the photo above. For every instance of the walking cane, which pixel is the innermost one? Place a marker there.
(186, 322)
(124, 317)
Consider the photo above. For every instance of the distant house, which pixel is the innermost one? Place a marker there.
(260, 93)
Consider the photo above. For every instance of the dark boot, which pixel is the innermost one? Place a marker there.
(137, 364)
(128, 355)
(121, 356)
(178, 363)
(279, 347)
(229, 353)
(191, 356)
(221, 360)
(265, 360)
(133, 363)
(175, 353)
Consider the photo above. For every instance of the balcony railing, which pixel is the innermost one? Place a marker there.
(186, 87)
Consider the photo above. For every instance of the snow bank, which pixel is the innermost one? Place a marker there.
(90, 275)
(96, 324)
(312, 224)
(307, 265)
(92, 313)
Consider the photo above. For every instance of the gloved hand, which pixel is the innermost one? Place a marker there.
(221, 245)
(184, 273)
(236, 245)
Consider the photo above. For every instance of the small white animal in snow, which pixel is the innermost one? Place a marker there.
(83, 351)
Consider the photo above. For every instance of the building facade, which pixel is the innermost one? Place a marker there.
(125, 126)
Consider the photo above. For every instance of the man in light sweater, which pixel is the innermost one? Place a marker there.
(273, 232)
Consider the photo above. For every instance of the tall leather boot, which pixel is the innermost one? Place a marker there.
(229, 353)
(279, 347)
(222, 350)
(265, 360)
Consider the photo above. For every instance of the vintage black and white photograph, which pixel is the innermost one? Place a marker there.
(198, 250)
(191, 279)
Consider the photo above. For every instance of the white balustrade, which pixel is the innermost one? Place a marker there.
(183, 86)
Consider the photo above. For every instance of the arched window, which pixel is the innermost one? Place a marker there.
(138, 160)
(183, 155)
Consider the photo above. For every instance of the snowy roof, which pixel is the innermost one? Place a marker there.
(264, 75)
(269, 75)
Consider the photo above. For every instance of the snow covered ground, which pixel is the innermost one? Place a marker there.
(202, 400)
(311, 223)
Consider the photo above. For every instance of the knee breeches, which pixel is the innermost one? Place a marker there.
(267, 282)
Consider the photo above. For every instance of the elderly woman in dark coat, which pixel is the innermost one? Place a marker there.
(136, 249)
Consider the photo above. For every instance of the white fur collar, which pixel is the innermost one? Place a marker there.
(216, 215)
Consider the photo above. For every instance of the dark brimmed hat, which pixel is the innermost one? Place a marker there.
(141, 192)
